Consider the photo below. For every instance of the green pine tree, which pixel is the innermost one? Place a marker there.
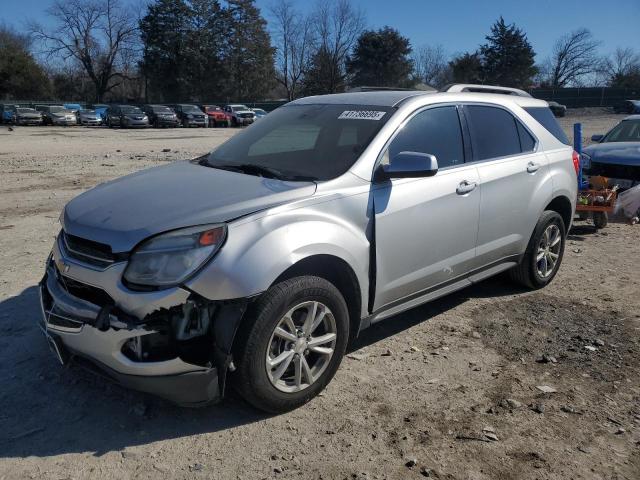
(381, 59)
(249, 56)
(507, 57)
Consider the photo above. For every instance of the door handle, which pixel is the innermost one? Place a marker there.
(532, 167)
(465, 187)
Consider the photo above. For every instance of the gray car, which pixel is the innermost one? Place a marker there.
(88, 117)
(56, 115)
(126, 116)
(26, 116)
(255, 265)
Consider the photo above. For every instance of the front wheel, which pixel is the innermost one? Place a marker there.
(544, 253)
(291, 344)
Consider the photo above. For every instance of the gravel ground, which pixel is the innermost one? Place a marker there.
(447, 390)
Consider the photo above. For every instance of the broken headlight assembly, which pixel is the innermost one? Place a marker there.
(170, 258)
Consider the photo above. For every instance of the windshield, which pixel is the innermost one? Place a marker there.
(214, 109)
(191, 109)
(238, 108)
(87, 112)
(259, 110)
(314, 142)
(56, 109)
(162, 110)
(26, 110)
(130, 110)
(626, 131)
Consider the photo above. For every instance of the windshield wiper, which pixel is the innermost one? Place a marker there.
(259, 170)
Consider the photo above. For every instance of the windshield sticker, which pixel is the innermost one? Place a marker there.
(361, 115)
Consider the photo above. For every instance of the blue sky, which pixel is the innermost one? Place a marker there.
(459, 25)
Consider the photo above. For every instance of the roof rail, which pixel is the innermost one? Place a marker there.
(469, 87)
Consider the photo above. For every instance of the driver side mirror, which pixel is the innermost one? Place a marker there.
(596, 138)
(409, 165)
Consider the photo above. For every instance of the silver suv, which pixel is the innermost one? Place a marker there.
(257, 263)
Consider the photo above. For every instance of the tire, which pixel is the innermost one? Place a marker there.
(600, 219)
(527, 273)
(257, 338)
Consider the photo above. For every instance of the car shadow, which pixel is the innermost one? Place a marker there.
(47, 409)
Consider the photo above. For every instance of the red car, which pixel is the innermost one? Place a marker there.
(217, 116)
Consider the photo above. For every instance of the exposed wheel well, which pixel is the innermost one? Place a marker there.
(562, 205)
(340, 274)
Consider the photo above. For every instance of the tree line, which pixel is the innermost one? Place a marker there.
(199, 50)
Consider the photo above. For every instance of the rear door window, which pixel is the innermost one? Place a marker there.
(545, 117)
(435, 131)
(494, 132)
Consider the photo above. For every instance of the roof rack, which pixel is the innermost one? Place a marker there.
(469, 87)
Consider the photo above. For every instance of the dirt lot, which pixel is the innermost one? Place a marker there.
(451, 386)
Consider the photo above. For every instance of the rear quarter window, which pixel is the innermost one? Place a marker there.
(494, 132)
(545, 117)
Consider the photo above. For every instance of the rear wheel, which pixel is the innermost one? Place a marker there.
(600, 219)
(544, 253)
(292, 343)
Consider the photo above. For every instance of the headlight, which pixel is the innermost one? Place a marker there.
(170, 258)
(585, 160)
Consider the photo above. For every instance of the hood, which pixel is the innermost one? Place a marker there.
(616, 153)
(125, 211)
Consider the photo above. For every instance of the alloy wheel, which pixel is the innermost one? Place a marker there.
(301, 346)
(548, 251)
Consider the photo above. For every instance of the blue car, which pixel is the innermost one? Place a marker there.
(616, 155)
(628, 106)
(6, 113)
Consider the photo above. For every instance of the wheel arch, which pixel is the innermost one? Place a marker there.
(336, 271)
(562, 205)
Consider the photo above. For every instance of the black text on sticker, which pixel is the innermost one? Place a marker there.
(361, 115)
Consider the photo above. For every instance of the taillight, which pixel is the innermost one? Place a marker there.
(576, 162)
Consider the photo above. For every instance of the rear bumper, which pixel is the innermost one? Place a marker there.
(79, 329)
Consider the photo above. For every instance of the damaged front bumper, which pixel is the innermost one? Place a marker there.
(169, 343)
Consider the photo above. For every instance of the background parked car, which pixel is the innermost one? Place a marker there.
(26, 116)
(126, 116)
(240, 114)
(615, 154)
(74, 107)
(6, 114)
(56, 115)
(217, 116)
(190, 115)
(259, 112)
(161, 116)
(89, 117)
(558, 109)
(628, 106)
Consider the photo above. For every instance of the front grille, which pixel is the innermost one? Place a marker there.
(246, 115)
(87, 251)
(91, 294)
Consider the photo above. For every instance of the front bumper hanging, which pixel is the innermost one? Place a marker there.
(145, 354)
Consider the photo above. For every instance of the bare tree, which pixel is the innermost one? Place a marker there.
(100, 35)
(574, 56)
(337, 28)
(430, 65)
(293, 35)
(623, 61)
